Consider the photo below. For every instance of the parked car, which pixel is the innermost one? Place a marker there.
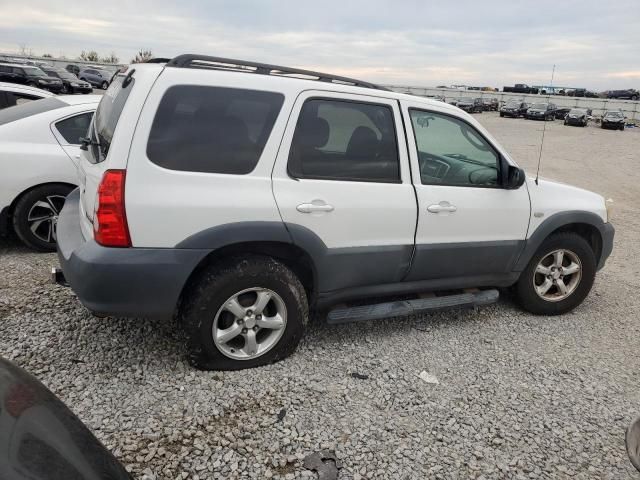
(561, 112)
(582, 92)
(470, 105)
(541, 111)
(72, 68)
(96, 77)
(12, 94)
(29, 75)
(39, 151)
(520, 88)
(70, 83)
(41, 439)
(490, 104)
(239, 201)
(514, 108)
(630, 94)
(613, 120)
(577, 117)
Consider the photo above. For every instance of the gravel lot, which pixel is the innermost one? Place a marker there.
(519, 396)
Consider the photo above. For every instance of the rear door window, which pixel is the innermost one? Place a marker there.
(212, 129)
(345, 140)
(73, 128)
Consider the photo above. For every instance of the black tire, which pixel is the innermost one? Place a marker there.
(502, 114)
(634, 98)
(524, 288)
(66, 89)
(24, 206)
(218, 283)
(32, 84)
(104, 85)
(622, 128)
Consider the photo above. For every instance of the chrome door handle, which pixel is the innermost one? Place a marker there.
(442, 207)
(314, 207)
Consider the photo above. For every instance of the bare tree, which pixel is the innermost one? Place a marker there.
(47, 55)
(24, 50)
(112, 58)
(90, 56)
(142, 56)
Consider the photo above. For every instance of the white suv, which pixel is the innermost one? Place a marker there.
(239, 195)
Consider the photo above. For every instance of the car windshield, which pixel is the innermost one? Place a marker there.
(513, 104)
(577, 111)
(34, 72)
(613, 114)
(539, 106)
(108, 114)
(62, 73)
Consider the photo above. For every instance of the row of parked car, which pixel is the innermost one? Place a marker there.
(476, 105)
(612, 119)
(68, 80)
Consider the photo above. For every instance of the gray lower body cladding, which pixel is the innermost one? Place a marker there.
(148, 282)
(128, 282)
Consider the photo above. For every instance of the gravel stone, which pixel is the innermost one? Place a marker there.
(520, 396)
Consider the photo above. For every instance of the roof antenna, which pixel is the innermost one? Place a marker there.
(544, 127)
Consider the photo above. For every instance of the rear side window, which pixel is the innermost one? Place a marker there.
(28, 109)
(73, 128)
(345, 140)
(108, 114)
(212, 129)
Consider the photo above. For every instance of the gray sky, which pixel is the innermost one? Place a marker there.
(484, 42)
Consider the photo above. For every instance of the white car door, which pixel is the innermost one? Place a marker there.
(470, 228)
(343, 187)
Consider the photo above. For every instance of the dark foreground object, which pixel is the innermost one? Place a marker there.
(41, 439)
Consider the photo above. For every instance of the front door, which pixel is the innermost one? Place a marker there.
(343, 187)
(470, 229)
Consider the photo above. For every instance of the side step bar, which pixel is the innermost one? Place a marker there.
(411, 307)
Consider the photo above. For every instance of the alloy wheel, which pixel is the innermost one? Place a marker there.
(249, 323)
(43, 217)
(557, 275)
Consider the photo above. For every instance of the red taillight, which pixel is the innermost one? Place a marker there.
(110, 220)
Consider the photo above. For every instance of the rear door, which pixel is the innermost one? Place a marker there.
(343, 187)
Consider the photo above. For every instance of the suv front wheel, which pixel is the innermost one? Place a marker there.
(243, 313)
(559, 276)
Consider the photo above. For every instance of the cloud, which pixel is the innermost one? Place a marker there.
(411, 42)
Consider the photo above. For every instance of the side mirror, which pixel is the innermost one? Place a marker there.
(515, 177)
(632, 441)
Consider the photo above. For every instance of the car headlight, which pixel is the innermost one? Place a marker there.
(608, 203)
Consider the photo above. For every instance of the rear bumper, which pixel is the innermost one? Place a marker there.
(607, 232)
(127, 282)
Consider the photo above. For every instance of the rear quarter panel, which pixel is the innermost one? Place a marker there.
(164, 207)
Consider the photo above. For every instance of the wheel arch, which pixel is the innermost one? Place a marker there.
(271, 239)
(33, 187)
(586, 224)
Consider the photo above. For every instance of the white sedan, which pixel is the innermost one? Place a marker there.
(15, 94)
(39, 152)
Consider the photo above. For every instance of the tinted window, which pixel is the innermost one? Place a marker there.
(73, 128)
(30, 108)
(343, 140)
(212, 129)
(4, 69)
(451, 152)
(108, 114)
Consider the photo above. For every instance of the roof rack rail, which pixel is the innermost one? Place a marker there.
(229, 64)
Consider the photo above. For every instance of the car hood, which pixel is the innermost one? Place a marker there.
(549, 197)
(536, 110)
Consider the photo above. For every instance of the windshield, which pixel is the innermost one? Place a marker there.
(576, 111)
(62, 73)
(108, 114)
(539, 106)
(34, 72)
(513, 104)
(613, 114)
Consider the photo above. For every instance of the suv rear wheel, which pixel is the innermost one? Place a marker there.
(242, 313)
(35, 216)
(558, 277)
